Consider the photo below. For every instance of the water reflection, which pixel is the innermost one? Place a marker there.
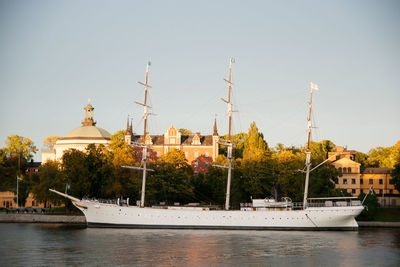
(62, 245)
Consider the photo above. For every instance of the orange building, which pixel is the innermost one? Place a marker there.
(200, 150)
(356, 180)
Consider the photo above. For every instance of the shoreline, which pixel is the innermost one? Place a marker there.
(80, 219)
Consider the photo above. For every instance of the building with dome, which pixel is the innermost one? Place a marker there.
(79, 138)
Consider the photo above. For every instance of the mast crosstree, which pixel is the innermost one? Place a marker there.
(308, 152)
(143, 145)
(228, 143)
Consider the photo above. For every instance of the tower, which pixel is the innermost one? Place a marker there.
(215, 139)
(128, 132)
(89, 115)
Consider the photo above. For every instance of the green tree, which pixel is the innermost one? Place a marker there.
(49, 176)
(255, 148)
(396, 174)
(171, 180)
(372, 204)
(20, 145)
(117, 140)
(384, 157)
(362, 158)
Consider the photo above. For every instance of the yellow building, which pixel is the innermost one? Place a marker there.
(356, 180)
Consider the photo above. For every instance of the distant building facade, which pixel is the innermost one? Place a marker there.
(200, 150)
(79, 138)
(356, 180)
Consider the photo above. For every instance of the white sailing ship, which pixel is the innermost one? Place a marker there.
(330, 213)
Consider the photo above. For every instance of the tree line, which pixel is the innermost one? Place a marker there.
(259, 171)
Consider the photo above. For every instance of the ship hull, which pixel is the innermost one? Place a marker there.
(318, 218)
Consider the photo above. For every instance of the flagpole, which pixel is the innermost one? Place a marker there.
(17, 194)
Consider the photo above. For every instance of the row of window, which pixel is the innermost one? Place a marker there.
(370, 181)
(353, 191)
(344, 170)
(7, 203)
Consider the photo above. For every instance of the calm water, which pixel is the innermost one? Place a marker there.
(61, 245)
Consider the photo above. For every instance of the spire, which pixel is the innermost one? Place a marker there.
(128, 127)
(215, 132)
(131, 126)
(89, 115)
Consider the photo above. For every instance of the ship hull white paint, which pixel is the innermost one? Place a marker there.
(321, 218)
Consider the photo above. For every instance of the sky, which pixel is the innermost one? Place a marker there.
(55, 55)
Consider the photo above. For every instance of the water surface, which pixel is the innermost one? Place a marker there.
(64, 245)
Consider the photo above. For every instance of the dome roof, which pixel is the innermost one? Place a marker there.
(89, 131)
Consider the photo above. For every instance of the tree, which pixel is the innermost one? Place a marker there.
(184, 131)
(117, 140)
(50, 141)
(362, 158)
(49, 176)
(396, 174)
(255, 148)
(384, 157)
(176, 158)
(20, 145)
(238, 141)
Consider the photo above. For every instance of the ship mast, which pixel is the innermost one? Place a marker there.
(143, 145)
(308, 152)
(228, 143)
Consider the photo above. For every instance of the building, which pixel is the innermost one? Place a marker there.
(79, 138)
(357, 180)
(200, 150)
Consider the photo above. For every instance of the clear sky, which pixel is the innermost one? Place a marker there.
(54, 55)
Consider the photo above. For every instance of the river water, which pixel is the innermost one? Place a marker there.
(66, 245)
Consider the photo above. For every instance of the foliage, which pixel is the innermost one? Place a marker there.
(50, 176)
(255, 148)
(20, 145)
(396, 175)
(384, 157)
(238, 141)
(117, 140)
(176, 158)
(372, 206)
(184, 131)
(50, 141)
(362, 158)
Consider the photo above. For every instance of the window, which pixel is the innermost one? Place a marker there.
(361, 181)
(344, 170)
(349, 170)
(380, 191)
(340, 169)
(172, 140)
(196, 154)
(353, 181)
(344, 181)
(380, 181)
(207, 154)
(391, 191)
(361, 191)
(353, 191)
(371, 181)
